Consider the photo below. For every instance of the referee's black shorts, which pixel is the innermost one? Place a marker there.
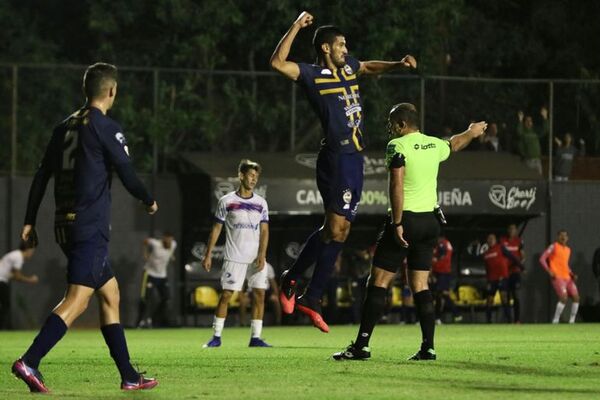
(421, 231)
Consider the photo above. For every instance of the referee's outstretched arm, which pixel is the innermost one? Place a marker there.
(460, 141)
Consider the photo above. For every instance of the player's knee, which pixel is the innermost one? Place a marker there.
(226, 296)
(259, 295)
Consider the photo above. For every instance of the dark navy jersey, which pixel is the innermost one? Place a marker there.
(335, 97)
(81, 154)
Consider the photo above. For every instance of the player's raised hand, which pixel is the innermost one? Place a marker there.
(207, 263)
(304, 19)
(409, 61)
(520, 115)
(152, 209)
(544, 112)
(477, 128)
(25, 232)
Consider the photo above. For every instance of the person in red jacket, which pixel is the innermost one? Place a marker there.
(514, 244)
(441, 277)
(497, 259)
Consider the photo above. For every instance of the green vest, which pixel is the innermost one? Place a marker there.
(422, 155)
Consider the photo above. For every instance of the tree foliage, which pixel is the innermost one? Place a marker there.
(197, 108)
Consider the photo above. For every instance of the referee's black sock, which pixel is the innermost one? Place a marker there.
(324, 268)
(425, 312)
(307, 257)
(371, 314)
(114, 336)
(53, 330)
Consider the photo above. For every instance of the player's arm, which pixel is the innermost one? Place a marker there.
(544, 260)
(39, 185)
(396, 191)
(116, 150)
(210, 245)
(279, 61)
(462, 140)
(513, 259)
(261, 257)
(375, 67)
(17, 275)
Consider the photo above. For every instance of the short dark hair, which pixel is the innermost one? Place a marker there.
(405, 112)
(96, 77)
(30, 243)
(325, 34)
(246, 165)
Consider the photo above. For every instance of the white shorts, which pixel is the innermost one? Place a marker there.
(233, 275)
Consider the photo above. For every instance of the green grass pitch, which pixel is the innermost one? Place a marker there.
(474, 362)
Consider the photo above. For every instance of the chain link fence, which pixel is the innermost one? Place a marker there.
(167, 111)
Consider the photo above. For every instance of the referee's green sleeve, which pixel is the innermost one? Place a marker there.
(445, 149)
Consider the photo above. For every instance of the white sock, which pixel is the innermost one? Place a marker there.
(218, 324)
(574, 308)
(255, 328)
(559, 309)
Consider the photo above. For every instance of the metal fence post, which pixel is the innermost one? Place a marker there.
(13, 157)
(293, 119)
(423, 105)
(549, 180)
(154, 142)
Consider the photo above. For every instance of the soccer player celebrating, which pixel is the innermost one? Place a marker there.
(82, 152)
(514, 244)
(555, 261)
(10, 269)
(245, 215)
(157, 254)
(442, 276)
(411, 229)
(331, 86)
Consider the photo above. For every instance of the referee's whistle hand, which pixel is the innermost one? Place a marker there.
(152, 209)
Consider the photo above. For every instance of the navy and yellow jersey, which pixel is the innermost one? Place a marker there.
(335, 97)
(82, 152)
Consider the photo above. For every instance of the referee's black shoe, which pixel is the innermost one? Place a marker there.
(352, 353)
(423, 355)
(287, 293)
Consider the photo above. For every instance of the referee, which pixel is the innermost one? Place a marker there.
(411, 229)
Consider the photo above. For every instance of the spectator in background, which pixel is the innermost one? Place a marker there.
(529, 139)
(489, 141)
(563, 158)
(10, 269)
(441, 277)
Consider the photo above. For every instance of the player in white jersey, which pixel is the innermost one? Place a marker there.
(10, 269)
(157, 254)
(245, 215)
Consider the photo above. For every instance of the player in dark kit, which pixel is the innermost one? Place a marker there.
(331, 86)
(411, 230)
(82, 152)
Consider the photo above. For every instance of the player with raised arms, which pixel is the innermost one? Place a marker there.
(331, 86)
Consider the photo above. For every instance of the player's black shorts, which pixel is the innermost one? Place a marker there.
(88, 263)
(340, 181)
(421, 231)
(160, 284)
(442, 282)
(514, 281)
(493, 286)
